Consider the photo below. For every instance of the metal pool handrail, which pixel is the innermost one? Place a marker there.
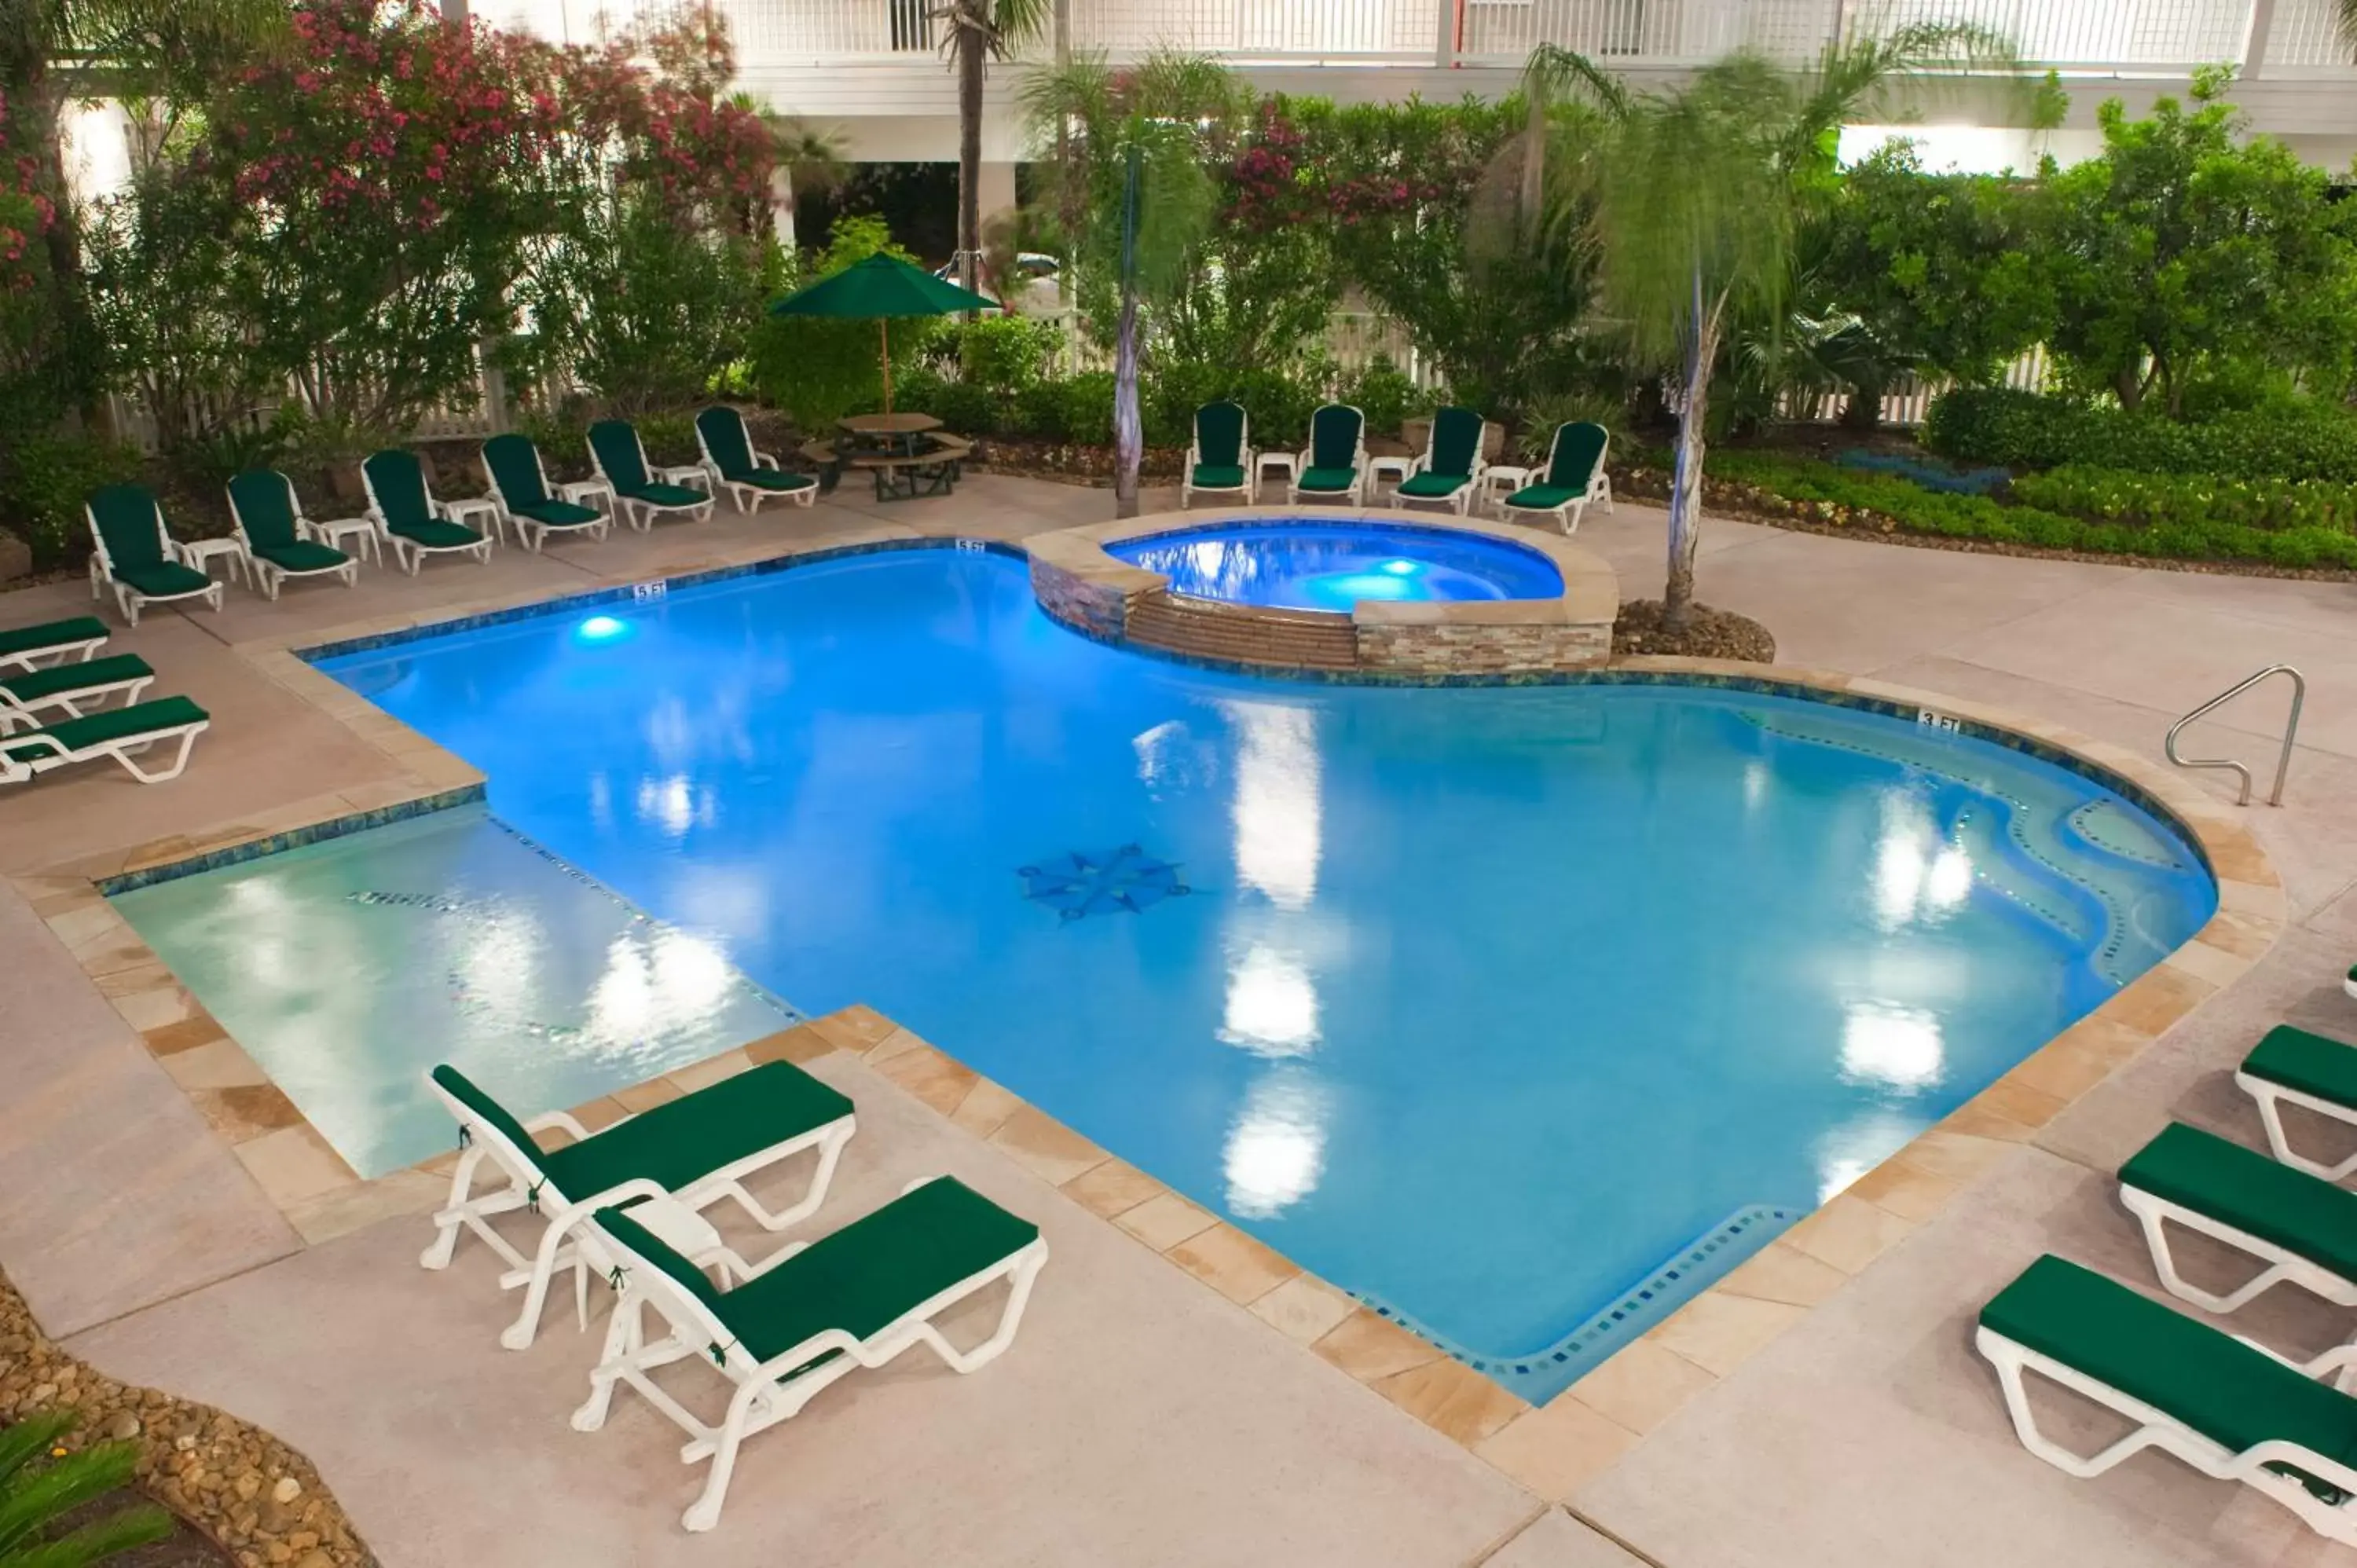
(2291, 729)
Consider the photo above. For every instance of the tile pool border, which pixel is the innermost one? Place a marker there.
(1551, 1448)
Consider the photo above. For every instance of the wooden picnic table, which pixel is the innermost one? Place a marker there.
(905, 452)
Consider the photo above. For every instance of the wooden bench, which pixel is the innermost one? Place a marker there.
(899, 475)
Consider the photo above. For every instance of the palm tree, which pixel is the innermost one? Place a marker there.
(1692, 200)
(979, 32)
(1134, 195)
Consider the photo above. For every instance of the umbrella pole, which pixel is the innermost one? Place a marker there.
(883, 336)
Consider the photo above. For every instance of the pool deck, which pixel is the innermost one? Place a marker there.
(1840, 1419)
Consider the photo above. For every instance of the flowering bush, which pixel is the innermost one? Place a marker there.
(390, 194)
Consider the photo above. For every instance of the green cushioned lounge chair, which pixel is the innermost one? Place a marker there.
(74, 689)
(133, 554)
(1333, 467)
(1573, 478)
(52, 642)
(2293, 1066)
(643, 492)
(407, 517)
(278, 541)
(123, 734)
(2222, 1404)
(732, 463)
(519, 490)
(1449, 471)
(1220, 460)
(812, 1314)
(2302, 1228)
(695, 1151)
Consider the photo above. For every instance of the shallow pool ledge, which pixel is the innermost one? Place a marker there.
(1082, 586)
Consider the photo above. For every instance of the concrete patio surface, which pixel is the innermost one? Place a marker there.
(1141, 1418)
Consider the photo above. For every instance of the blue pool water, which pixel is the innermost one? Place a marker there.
(1329, 565)
(1482, 1002)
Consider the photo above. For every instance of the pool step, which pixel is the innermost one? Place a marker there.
(1205, 630)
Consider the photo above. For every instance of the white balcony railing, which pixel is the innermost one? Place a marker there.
(1262, 29)
(2101, 36)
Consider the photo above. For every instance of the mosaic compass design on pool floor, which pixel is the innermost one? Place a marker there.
(1075, 885)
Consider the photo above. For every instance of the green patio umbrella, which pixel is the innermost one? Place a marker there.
(881, 286)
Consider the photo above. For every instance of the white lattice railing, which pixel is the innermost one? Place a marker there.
(2099, 35)
(2119, 33)
(1250, 29)
(2307, 41)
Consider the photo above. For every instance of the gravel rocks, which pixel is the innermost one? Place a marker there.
(1709, 634)
(256, 1498)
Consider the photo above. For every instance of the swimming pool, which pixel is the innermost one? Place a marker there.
(1483, 1003)
(1320, 564)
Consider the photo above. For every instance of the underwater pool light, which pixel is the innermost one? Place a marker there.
(601, 628)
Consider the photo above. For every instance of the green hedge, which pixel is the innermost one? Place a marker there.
(2025, 430)
(1079, 408)
(1821, 492)
(2148, 500)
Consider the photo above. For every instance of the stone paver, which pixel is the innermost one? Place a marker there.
(1142, 1418)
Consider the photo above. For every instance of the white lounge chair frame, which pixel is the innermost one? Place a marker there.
(745, 497)
(1357, 494)
(532, 530)
(526, 1188)
(268, 573)
(122, 749)
(2157, 1429)
(2272, 1097)
(409, 551)
(1250, 489)
(1569, 514)
(28, 716)
(80, 651)
(759, 1400)
(127, 598)
(2282, 1264)
(639, 515)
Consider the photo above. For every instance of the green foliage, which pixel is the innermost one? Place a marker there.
(2150, 500)
(2185, 250)
(1087, 401)
(669, 438)
(1385, 394)
(645, 311)
(1821, 492)
(960, 405)
(1396, 186)
(562, 436)
(1280, 402)
(1006, 353)
(819, 369)
(45, 476)
(40, 1484)
(1944, 270)
(2304, 439)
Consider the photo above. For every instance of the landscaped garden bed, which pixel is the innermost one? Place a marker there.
(237, 1493)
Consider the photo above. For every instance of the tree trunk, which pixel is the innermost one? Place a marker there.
(1864, 413)
(971, 49)
(1128, 432)
(2130, 387)
(1685, 480)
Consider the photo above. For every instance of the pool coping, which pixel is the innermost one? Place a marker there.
(1403, 640)
(1551, 1448)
